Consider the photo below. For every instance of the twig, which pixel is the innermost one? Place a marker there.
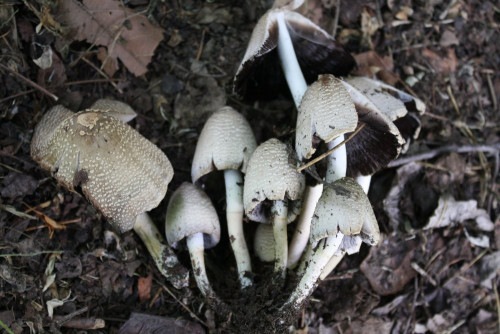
(453, 101)
(68, 317)
(336, 18)
(452, 278)
(17, 95)
(330, 151)
(200, 49)
(492, 91)
(37, 86)
(103, 74)
(31, 254)
(497, 302)
(183, 305)
(493, 149)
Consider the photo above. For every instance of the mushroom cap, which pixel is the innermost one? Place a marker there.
(115, 108)
(190, 211)
(259, 74)
(325, 112)
(343, 207)
(264, 244)
(226, 142)
(119, 171)
(272, 175)
(377, 143)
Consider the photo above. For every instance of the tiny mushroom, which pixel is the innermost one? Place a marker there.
(272, 192)
(226, 143)
(191, 215)
(121, 173)
(342, 211)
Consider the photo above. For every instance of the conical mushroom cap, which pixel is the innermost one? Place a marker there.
(264, 244)
(272, 175)
(115, 108)
(377, 143)
(226, 142)
(259, 74)
(325, 112)
(343, 207)
(119, 171)
(190, 211)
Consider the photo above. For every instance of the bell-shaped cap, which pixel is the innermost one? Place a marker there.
(190, 211)
(379, 142)
(259, 75)
(119, 171)
(226, 142)
(325, 112)
(272, 175)
(115, 108)
(344, 207)
(264, 243)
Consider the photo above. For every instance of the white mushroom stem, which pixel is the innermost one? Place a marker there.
(234, 215)
(336, 167)
(165, 259)
(291, 68)
(301, 234)
(196, 249)
(279, 213)
(323, 252)
(364, 182)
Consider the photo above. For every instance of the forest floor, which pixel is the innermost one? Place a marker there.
(436, 269)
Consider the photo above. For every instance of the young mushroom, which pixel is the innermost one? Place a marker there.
(342, 211)
(121, 173)
(272, 192)
(191, 215)
(226, 143)
(263, 243)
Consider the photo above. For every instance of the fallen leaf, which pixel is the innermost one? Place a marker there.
(445, 65)
(450, 212)
(370, 63)
(448, 38)
(144, 287)
(127, 35)
(109, 64)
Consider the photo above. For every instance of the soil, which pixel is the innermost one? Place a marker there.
(418, 279)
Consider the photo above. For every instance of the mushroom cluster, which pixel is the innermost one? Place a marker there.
(123, 175)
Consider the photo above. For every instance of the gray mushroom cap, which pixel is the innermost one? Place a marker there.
(344, 207)
(190, 211)
(119, 171)
(272, 175)
(115, 108)
(325, 112)
(226, 142)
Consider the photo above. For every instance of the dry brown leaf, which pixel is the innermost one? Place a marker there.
(144, 287)
(445, 65)
(127, 35)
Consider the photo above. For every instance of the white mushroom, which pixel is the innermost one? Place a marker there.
(191, 215)
(226, 143)
(264, 243)
(272, 192)
(121, 173)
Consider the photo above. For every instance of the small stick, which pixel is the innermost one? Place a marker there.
(37, 86)
(103, 74)
(68, 317)
(493, 148)
(330, 151)
(465, 268)
(85, 323)
(200, 49)
(497, 302)
(183, 305)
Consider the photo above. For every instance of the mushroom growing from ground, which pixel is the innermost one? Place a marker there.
(326, 113)
(342, 211)
(121, 173)
(263, 243)
(226, 143)
(272, 192)
(191, 215)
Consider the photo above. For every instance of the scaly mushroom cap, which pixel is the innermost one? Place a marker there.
(325, 112)
(226, 142)
(377, 143)
(264, 243)
(259, 74)
(343, 207)
(115, 108)
(190, 211)
(272, 175)
(119, 171)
